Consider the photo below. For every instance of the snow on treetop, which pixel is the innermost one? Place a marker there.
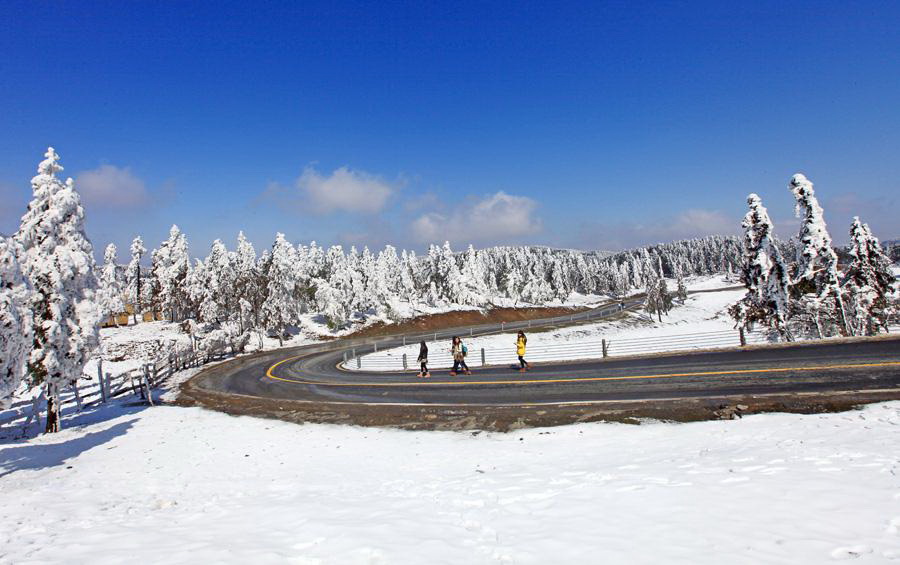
(50, 165)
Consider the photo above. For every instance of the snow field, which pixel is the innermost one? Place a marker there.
(178, 485)
(702, 313)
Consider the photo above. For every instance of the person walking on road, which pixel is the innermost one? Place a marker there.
(521, 340)
(458, 350)
(423, 360)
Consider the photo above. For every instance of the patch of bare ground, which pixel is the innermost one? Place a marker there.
(511, 418)
(463, 318)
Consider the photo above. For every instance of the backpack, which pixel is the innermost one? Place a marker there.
(465, 350)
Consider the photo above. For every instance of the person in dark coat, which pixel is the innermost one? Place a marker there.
(423, 360)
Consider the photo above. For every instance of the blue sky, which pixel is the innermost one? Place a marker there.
(595, 125)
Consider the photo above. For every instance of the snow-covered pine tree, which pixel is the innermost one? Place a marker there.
(344, 286)
(246, 279)
(58, 260)
(512, 281)
(197, 289)
(15, 322)
(652, 301)
(258, 294)
(171, 265)
(868, 282)
(385, 283)
(409, 289)
(280, 309)
(332, 303)
(351, 281)
(665, 297)
(816, 276)
(220, 300)
(473, 291)
(133, 281)
(451, 283)
(764, 273)
(681, 293)
(109, 296)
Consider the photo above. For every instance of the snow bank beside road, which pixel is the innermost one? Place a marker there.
(171, 485)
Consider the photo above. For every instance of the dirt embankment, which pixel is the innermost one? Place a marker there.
(463, 318)
(510, 418)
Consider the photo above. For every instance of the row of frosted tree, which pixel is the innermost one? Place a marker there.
(269, 292)
(805, 293)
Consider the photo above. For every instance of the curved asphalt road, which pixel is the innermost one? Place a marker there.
(303, 384)
(310, 374)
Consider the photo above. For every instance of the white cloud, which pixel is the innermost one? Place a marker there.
(497, 218)
(112, 187)
(344, 190)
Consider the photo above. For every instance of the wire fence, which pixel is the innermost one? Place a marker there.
(396, 360)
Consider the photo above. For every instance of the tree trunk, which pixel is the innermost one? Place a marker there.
(52, 409)
(842, 315)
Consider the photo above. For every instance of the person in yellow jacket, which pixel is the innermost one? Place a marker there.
(521, 340)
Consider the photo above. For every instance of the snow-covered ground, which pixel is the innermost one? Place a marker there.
(186, 485)
(701, 313)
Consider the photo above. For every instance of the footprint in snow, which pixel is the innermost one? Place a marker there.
(851, 552)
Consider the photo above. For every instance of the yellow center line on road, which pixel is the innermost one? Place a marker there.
(270, 375)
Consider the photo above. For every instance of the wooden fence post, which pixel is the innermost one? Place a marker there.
(482, 357)
(77, 395)
(405, 366)
(145, 385)
(742, 337)
(103, 397)
(605, 349)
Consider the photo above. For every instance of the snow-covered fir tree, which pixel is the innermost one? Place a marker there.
(472, 287)
(171, 265)
(15, 322)
(58, 260)
(665, 297)
(246, 283)
(681, 292)
(764, 274)
(868, 282)
(815, 279)
(280, 309)
(652, 300)
(220, 298)
(133, 283)
(109, 296)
